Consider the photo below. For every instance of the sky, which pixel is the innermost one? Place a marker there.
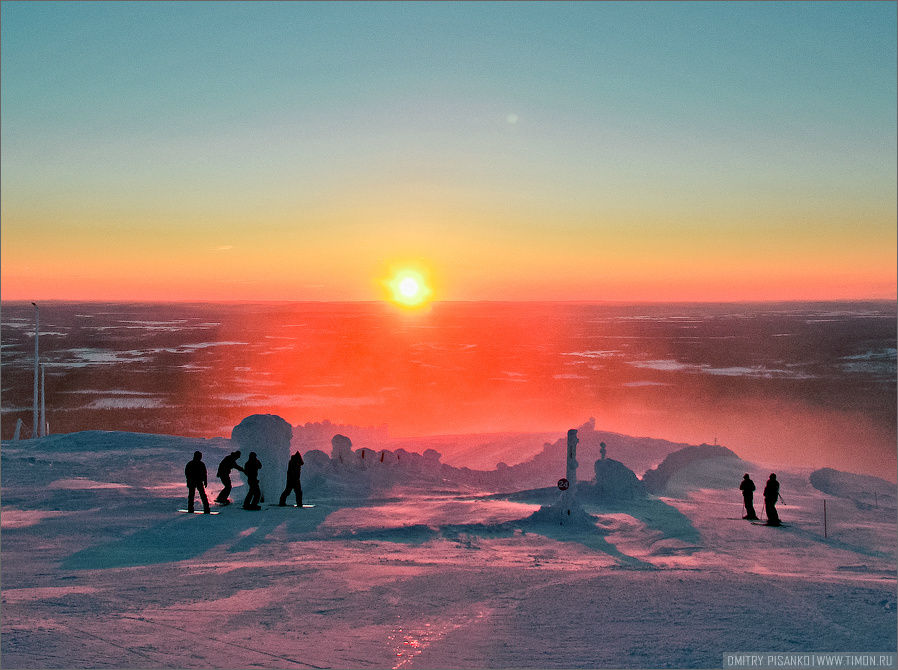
(504, 151)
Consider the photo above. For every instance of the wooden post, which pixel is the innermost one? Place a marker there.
(825, 534)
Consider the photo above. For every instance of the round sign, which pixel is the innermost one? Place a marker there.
(563, 484)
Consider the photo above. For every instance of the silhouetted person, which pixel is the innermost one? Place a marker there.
(748, 493)
(227, 464)
(251, 470)
(771, 495)
(294, 468)
(195, 472)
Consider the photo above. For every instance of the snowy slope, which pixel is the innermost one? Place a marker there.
(410, 569)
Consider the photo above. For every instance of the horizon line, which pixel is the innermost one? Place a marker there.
(200, 301)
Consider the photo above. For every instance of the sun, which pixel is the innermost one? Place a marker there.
(409, 288)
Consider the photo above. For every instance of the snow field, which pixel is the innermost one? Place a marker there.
(99, 571)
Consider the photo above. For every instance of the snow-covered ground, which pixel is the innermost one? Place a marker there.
(422, 569)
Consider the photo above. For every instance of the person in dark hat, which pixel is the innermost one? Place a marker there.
(747, 486)
(294, 468)
(251, 470)
(771, 495)
(227, 464)
(195, 472)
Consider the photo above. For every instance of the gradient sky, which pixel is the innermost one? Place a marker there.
(582, 151)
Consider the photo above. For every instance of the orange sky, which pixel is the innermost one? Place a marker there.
(592, 151)
(349, 262)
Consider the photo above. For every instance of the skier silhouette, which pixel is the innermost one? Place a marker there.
(195, 472)
(771, 495)
(747, 486)
(294, 468)
(227, 464)
(251, 470)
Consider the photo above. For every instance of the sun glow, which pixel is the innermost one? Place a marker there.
(409, 288)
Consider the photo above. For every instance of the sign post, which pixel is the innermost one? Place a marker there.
(568, 484)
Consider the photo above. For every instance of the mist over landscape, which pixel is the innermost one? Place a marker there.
(803, 383)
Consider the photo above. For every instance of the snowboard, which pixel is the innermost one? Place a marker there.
(772, 525)
(197, 511)
(288, 506)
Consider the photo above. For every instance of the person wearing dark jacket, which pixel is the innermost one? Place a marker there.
(227, 464)
(251, 470)
(771, 495)
(195, 472)
(294, 468)
(748, 493)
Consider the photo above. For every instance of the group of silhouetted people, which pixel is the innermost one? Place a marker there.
(771, 496)
(195, 472)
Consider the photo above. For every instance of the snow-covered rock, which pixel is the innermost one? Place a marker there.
(704, 466)
(269, 436)
(614, 482)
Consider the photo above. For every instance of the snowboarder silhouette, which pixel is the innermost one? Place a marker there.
(294, 468)
(251, 470)
(771, 495)
(747, 486)
(227, 464)
(195, 472)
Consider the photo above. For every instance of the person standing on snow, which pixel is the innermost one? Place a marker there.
(771, 495)
(748, 490)
(294, 468)
(195, 472)
(251, 470)
(227, 464)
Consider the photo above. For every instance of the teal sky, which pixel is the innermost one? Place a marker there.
(509, 127)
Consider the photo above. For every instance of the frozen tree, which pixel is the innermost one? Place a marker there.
(341, 449)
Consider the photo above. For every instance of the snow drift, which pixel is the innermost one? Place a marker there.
(864, 490)
(703, 466)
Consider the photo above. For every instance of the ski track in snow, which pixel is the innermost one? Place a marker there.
(99, 571)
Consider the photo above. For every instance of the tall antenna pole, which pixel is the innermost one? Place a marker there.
(569, 497)
(37, 332)
(43, 403)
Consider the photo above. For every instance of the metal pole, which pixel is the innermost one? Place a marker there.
(825, 534)
(37, 331)
(43, 403)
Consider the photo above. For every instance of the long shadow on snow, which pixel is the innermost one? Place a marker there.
(831, 542)
(417, 534)
(297, 522)
(188, 535)
(657, 515)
